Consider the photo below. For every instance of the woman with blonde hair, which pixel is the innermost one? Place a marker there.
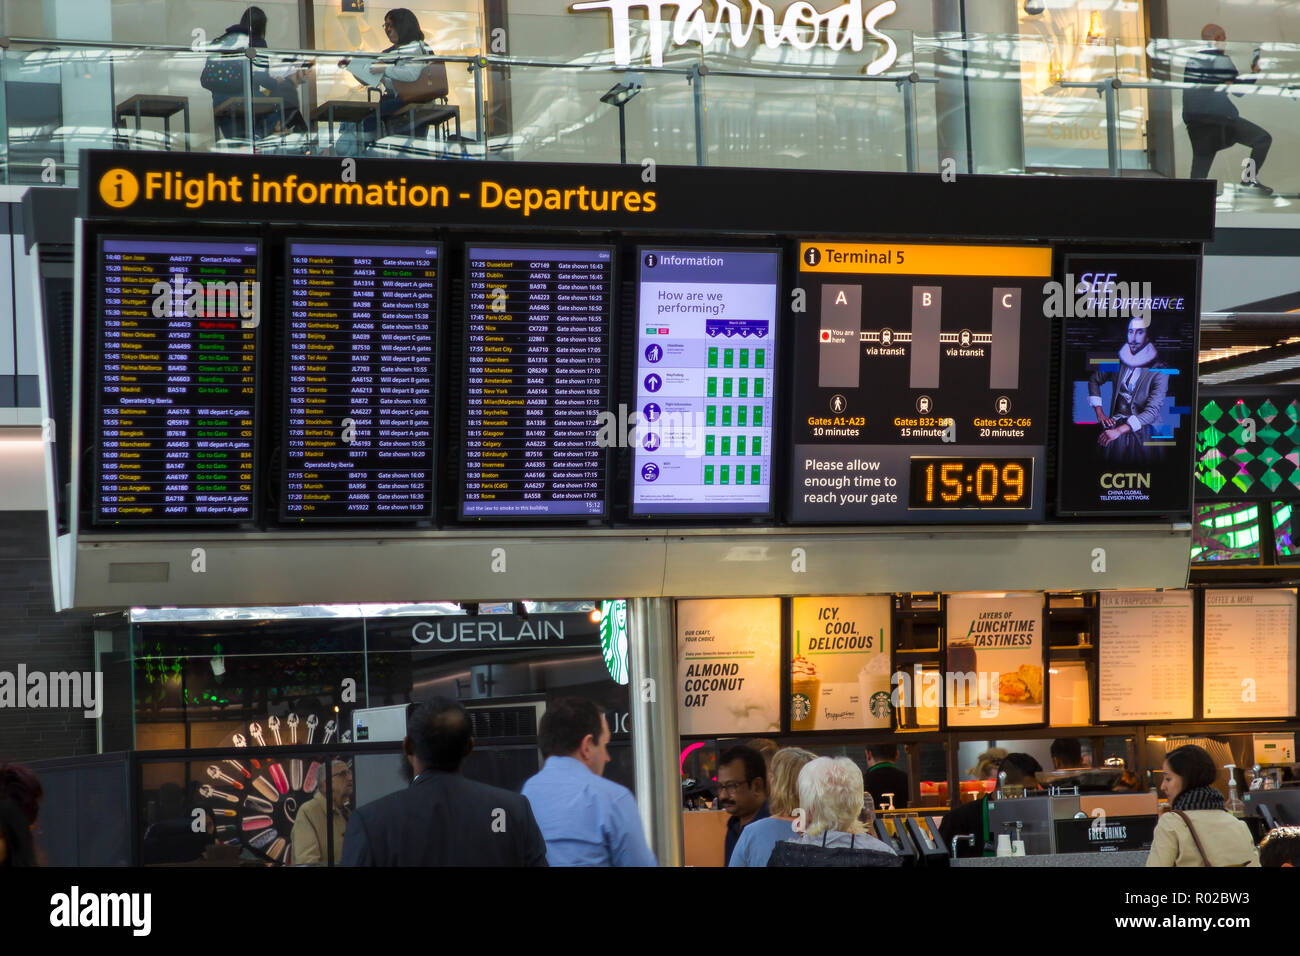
(831, 797)
(757, 840)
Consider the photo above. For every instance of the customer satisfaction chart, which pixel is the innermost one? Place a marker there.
(176, 393)
(361, 335)
(536, 381)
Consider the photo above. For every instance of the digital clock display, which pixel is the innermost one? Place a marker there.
(972, 483)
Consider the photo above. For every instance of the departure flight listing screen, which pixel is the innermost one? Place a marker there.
(178, 334)
(536, 381)
(921, 380)
(361, 333)
(706, 350)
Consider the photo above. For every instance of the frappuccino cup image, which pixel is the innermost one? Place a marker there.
(805, 686)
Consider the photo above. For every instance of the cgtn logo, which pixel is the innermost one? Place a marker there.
(799, 26)
(1126, 479)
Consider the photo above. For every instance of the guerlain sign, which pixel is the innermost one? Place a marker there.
(800, 26)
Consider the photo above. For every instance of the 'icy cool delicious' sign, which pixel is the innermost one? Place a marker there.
(800, 25)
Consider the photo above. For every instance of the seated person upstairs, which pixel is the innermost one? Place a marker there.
(407, 79)
(224, 76)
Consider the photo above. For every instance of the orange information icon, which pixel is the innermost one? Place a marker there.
(119, 188)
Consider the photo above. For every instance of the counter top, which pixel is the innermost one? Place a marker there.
(1119, 858)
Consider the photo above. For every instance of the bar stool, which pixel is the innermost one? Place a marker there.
(155, 106)
(424, 115)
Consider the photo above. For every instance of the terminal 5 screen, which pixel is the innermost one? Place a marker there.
(920, 383)
(178, 335)
(536, 381)
(360, 341)
(706, 355)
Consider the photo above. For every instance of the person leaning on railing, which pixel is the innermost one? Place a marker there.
(403, 75)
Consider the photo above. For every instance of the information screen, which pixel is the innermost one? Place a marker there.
(359, 390)
(706, 350)
(176, 401)
(1128, 375)
(536, 381)
(920, 386)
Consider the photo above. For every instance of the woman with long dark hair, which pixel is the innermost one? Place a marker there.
(223, 77)
(1196, 830)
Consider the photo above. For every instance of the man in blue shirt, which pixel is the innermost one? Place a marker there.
(585, 819)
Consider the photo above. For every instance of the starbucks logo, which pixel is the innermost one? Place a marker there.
(613, 638)
(800, 707)
(880, 706)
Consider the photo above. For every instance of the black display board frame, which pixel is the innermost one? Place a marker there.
(440, 324)
(778, 390)
(611, 347)
(95, 338)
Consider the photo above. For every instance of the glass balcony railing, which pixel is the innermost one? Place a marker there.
(1019, 104)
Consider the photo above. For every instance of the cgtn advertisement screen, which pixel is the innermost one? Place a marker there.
(706, 354)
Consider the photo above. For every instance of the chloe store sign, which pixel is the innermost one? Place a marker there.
(800, 25)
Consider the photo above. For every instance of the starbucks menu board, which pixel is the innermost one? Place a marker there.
(920, 386)
(360, 339)
(176, 397)
(839, 668)
(728, 666)
(1250, 654)
(706, 354)
(1145, 656)
(994, 657)
(536, 381)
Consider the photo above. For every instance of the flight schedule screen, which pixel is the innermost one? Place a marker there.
(706, 358)
(536, 381)
(920, 383)
(360, 341)
(177, 332)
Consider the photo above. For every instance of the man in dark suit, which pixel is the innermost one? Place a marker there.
(443, 819)
(1212, 120)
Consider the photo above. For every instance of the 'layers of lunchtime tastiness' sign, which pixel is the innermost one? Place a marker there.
(839, 666)
(727, 666)
(994, 659)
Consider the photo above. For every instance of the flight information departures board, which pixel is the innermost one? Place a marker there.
(178, 335)
(920, 383)
(361, 340)
(536, 381)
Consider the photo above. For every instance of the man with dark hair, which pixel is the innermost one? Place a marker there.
(443, 819)
(1280, 847)
(973, 818)
(1067, 753)
(883, 776)
(742, 791)
(586, 819)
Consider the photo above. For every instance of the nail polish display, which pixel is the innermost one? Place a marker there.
(258, 804)
(265, 789)
(256, 808)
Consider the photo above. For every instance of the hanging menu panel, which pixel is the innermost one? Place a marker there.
(177, 333)
(359, 416)
(1250, 653)
(536, 381)
(1145, 656)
